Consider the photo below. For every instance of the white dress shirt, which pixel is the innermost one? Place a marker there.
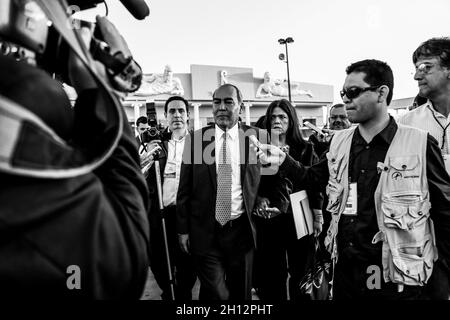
(237, 200)
(427, 118)
(172, 171)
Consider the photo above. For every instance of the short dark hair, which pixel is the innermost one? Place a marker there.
(434, 47)
(238, 92)
(378, 73)
(337, 105)
(142, 119)
(174, 98)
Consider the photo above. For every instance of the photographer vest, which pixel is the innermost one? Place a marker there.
(401, 202)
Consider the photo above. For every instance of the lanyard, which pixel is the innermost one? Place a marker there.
(444, 134)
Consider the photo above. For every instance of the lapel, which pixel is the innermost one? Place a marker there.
(211, 166)
(243, 148)
(165, 155)
(166, 136)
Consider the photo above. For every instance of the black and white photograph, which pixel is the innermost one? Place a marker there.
(225, 158)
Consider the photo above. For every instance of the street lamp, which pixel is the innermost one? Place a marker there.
(281, 57)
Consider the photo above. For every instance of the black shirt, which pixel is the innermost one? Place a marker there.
(355, 233)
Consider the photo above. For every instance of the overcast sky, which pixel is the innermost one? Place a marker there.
(328, 35)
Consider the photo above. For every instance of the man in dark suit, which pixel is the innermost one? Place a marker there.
(176, 111)
(217, 191)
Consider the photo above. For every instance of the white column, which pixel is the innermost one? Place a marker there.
(196, 115)
(136, 107)
(325, 114)
(247, 112)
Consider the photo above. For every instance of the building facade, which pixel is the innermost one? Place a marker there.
(311, 100)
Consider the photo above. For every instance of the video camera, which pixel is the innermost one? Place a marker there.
(125, 73)
(17, 38)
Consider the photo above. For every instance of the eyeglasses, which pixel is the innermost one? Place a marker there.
(424, 68)
(354, 92)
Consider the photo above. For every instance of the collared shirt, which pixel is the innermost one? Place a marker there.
(172, 171)
(435, 123)
(237, 200)
(356, 232)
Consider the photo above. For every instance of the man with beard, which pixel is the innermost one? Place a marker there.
(338, 120)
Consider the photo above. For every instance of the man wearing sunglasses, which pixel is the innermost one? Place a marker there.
(378, 177)
(432, 62)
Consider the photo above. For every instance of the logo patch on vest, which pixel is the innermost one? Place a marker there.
(397, 175)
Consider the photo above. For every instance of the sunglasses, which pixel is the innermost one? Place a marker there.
(354, 92)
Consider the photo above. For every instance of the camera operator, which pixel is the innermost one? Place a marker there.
(72, 197)
(176, 111)
(141, 127)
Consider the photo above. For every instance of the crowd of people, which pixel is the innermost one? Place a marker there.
(86, 207)
(384, 186)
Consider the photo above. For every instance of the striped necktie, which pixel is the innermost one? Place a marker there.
(223, 199)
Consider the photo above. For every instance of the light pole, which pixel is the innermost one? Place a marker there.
(281, 57)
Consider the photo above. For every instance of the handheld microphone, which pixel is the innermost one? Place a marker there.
(138, 8)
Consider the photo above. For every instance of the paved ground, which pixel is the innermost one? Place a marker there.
(153, 292)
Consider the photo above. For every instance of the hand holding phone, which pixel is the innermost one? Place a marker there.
(313, 127)
(255, 141)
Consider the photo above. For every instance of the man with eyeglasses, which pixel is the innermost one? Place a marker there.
(381, 180)
(432, 63)
(176, 111)
(219, 181)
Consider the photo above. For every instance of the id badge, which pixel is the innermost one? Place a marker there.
(351, 206)
(447, 162)
(170, 170)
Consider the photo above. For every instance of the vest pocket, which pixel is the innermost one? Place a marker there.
(334, 189)
(335, 193)
(409, 237)
(404, 173)
(405, 211)
(412, 263)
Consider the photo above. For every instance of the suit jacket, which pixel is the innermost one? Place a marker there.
(196, 197)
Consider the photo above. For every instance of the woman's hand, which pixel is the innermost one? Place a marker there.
(272, 212)
(260, 206)
(269, 154)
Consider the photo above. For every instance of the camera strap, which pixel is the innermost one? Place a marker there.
(31, 148)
